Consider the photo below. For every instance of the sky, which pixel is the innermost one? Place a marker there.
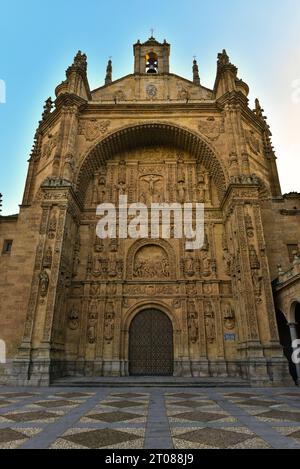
(39, 40)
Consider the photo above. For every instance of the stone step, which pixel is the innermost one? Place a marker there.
(147, 381)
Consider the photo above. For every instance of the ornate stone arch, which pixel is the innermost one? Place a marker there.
(146, 304)
(149, 134)
(138, 245)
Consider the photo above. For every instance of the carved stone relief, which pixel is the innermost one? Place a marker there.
(151, 262)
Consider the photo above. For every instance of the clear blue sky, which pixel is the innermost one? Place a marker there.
(39, 39)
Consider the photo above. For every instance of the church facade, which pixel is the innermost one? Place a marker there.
(73, 304)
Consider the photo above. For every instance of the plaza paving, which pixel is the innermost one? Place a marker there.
(151, 418)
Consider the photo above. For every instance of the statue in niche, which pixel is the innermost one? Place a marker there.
(189, 267)
(68, 167)
(112, 266)
(229, 317)
(47, 261)
(210, 327)
(109, 321)
(205, 246)
(180, 169)
(254, 262)
(181, 192)
(73, 319)
(44, 283)
(206, 264)
(192, 322)
(122, 171)
(92, 321)
(201, 188)
(121, 188)
(108, 329)
(257, 282)
(100, 190)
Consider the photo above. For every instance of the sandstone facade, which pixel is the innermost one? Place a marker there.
(70, 301)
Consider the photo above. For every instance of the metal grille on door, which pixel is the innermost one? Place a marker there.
(151, 344)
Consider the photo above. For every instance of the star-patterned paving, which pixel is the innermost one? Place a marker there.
(149, 417)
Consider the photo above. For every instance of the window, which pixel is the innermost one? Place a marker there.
(292, 250)
(151, 63)
(7, 246)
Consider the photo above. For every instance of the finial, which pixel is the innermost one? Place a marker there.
(223, 58)
(108, 78)
(258, 109)
(196, 78)
(47, 108)
(152, 32)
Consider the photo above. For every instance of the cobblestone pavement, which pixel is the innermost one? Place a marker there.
(151, 418)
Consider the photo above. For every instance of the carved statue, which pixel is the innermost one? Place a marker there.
(229, 317)
(154, 193)
(93, 317)
(180, 169)
(68, 167)
(44, 283)
(210, 322)
(47, 261)
(254, 262)
(189, 268)
(108, 329)
(257, 282)
(73, 320)
(193, 327)
(206, 264)
(181, 192)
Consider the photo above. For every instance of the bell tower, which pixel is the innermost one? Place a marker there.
(151, 57)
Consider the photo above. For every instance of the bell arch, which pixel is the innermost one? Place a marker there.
(147, 135)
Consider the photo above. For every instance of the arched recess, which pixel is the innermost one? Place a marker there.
(136, 309)
(151, 347)
(294, 312)
(145, 243)
(147, 135)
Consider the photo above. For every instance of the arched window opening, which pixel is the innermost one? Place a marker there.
(151, 63)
